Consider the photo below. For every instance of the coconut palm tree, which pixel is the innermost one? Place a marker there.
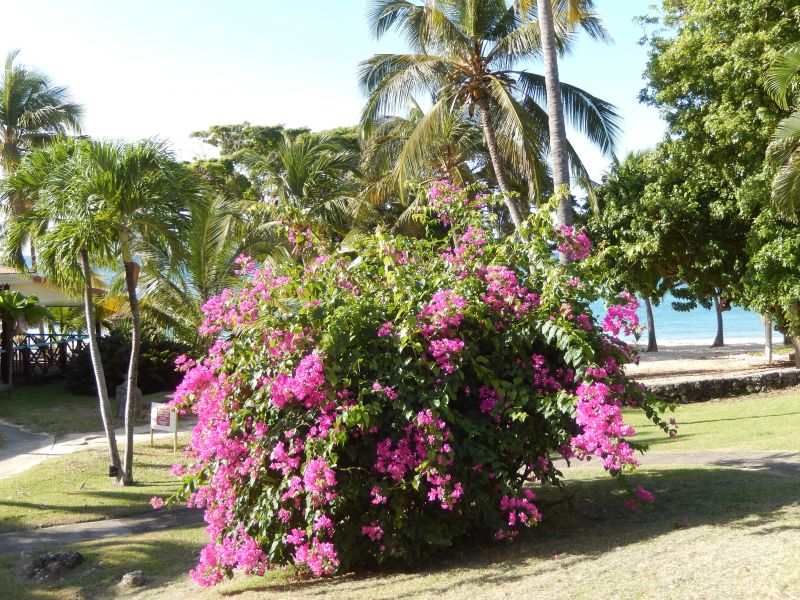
(143, 194)
(32, 112)
(464, 53)
(555, 112)
(783, 84)
(398, 151)
(72, 233)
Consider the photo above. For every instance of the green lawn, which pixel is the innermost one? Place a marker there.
(75, 488)
(49, 407)
(713, 533)
(765, 422)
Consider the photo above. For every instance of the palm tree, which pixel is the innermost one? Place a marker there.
(312, 179)
(143, 194)
(398, 151)
(783, 81)
(17, 313)
(464, 54)
(32, 112)
(71, 231)
(555, 113)
(219, 230)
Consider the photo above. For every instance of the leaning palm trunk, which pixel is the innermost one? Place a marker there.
(497, 165)
(97, 365)
(555, 114)
(133, 371)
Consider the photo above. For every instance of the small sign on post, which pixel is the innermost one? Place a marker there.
(163, 417)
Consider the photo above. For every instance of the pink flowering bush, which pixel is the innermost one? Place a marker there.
(372, 407)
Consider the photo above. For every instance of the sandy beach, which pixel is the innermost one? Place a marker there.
(689, 360)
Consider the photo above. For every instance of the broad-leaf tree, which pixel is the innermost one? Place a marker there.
(636, 234)
(706, 74)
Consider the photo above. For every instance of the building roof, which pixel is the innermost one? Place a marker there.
(29, 284)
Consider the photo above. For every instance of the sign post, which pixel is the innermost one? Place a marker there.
(163, 417)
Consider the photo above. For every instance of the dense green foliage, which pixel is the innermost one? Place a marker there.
(707, 75)
(156, 365)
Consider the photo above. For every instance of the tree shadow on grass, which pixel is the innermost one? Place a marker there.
(592, 524)
(125, 502)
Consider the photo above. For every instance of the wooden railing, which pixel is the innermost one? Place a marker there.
(37, 356)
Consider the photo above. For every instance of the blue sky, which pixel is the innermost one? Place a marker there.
(167, 68)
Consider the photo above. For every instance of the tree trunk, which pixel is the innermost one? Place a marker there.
(768, 339)
(497, 165)
(97, 365)
(795, 339)
(720, 339)
(652, 344)
(131, 272)
(555, 113)
(8, 346)
(33, 257)
(796, 345)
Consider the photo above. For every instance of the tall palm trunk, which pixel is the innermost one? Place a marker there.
(555, 113)
(652, 344)
(719, 340)
(131, 269)
(97, 366)
(497, 165)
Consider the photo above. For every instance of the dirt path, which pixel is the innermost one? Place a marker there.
(783, 462)
(22, 449)
(47, 537)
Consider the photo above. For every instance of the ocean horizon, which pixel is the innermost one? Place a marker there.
(699, 326)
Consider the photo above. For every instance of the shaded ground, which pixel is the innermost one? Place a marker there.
(713, 533)
(21, 449)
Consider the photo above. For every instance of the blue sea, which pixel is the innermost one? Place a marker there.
(698, 325)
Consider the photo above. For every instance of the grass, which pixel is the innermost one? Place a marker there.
(75, 488)
(49, 407)
(713, 533)
(763, 422)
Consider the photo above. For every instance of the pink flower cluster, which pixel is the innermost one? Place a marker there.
(622, 317)
(520, 512)
(424, 449)
(440, 320)
(306, 386)
(599, 415)
(575, 245)
(505, 296)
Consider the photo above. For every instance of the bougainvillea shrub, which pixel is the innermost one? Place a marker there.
(376, 404)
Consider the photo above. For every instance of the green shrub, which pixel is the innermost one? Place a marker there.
(156, 365)
(411, 394)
